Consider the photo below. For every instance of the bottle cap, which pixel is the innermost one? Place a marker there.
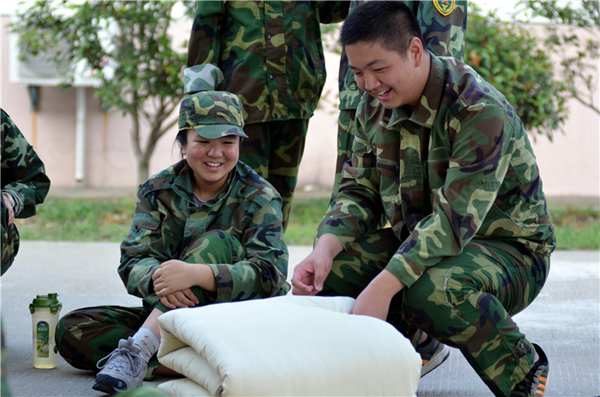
(49, 301)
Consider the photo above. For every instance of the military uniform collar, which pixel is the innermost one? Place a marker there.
(183, 184)
(426, 111)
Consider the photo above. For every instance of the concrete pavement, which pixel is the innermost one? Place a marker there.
(564, 319)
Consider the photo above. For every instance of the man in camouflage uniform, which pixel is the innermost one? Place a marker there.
(24, 185)
(443, 26)
(441, 154)
(272, 57)
(227, 246)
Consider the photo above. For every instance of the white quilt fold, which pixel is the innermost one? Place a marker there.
(285, 346)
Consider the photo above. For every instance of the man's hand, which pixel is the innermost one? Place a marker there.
(184, 298)
(375, 299)
(310, 274)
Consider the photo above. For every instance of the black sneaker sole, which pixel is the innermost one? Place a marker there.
(107, 384)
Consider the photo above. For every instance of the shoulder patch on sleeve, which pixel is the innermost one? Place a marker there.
(445, 7)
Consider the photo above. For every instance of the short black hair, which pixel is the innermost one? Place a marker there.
(389, 23)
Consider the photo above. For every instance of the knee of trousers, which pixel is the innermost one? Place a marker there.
(437, 301)
(63, 329)
(86, 335)
(215, 246)
(69, 343)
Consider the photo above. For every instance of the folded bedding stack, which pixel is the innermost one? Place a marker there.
(285, 346)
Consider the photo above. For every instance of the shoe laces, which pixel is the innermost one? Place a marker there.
(123, 360)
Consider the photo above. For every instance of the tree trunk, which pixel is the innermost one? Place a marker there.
(143, 168)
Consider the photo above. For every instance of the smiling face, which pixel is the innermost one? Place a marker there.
(386, 75)
(211, 160)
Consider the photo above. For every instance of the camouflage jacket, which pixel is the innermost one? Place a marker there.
(445, 35)
(23, 173)
(460, 166)
(270, 52)
(167, 219)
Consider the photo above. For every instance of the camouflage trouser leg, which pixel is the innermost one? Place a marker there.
(10, 240)
(465, 302)
(86, 335)
(345, 137)
(274, 150)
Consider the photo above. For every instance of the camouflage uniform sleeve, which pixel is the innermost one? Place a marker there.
(204, 45)
(482, 141)
(263, 272)
(23, 173)
(357, 208)
(142, 248)
(445, 34)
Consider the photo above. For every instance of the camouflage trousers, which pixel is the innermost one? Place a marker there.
(10, 240)
(86, 335)
(465, 302)
(274, 150)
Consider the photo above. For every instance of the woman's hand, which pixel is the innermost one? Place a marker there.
(185, 298)
(11, 212)
(172, 276)
(176, 276)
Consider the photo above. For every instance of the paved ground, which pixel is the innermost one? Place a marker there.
(564, 320)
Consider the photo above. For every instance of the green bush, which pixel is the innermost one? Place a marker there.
(79, 219)
(513, 61)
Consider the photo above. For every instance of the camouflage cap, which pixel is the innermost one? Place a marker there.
(204, 77)
(213, 114)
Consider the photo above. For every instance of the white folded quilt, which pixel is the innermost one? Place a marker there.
(285, 346)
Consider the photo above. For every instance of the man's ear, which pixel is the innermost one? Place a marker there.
(415, 51)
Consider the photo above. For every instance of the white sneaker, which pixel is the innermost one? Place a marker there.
(124, 369)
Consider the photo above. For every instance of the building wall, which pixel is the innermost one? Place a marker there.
(569, 166)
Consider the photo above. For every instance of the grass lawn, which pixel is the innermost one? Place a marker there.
(83, 219)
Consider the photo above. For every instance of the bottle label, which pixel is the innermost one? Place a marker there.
(42, 339)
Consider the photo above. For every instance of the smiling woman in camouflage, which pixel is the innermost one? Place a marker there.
(207, 229)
